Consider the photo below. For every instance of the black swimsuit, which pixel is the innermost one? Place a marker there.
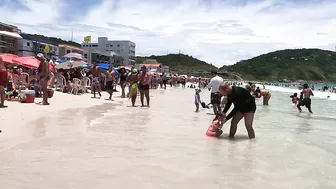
(242, 100)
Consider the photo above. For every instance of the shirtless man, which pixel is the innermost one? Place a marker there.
(133, 79)
(305, 98)
(144, 82)
(244, 107)
(43, 74)
(96, 74)
(258, 93)
(110, 76)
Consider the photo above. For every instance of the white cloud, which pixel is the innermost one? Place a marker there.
(219, 32)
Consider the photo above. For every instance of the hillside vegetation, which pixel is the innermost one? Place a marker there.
(48, 40)
(297, 64)
(180, 63)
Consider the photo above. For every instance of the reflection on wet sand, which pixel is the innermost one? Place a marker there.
(164, 146)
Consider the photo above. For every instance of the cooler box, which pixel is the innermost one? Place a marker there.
(27, 96)
(50, 93)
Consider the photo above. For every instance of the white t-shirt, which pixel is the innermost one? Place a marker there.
(214, 84)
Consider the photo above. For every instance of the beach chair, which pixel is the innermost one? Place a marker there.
(61, 83)
(88, 83)
(77, 83)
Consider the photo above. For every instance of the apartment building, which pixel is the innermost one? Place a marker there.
(65, 49)
(125, 49)
(31, 48)
(9, 36)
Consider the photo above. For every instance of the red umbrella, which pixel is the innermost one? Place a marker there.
(8, 58)
(27, 61)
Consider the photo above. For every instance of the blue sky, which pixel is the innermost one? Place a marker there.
(220, 32)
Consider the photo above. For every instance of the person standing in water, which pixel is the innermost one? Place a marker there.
(97, 76)
(244, 107)
(144, 82)
(305, 98)
(110, 76)
(197, 98)
(43, 74)
(258, 93)
(215, 96)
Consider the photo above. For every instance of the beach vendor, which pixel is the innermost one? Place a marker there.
(244, 107)
(133, 79)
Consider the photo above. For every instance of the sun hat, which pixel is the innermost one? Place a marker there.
(40, 56)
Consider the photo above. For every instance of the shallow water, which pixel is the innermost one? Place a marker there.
(164, 146)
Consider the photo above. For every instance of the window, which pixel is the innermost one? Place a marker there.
(68, 51)
(111, 45)
(94, 45)
(85, 55)
(28, 44)
(118, 45)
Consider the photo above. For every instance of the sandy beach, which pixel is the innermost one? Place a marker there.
(83, 143)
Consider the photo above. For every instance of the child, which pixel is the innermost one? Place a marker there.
(197, 98)
(215, 127)
(295, 99)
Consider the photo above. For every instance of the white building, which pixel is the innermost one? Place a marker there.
(125, 49)
(28, 47)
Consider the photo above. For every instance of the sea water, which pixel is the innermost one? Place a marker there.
(165, 146)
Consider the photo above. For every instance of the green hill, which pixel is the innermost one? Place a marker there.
(180, 63)
(295, 64)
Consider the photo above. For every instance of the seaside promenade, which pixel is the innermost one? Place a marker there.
(84, 143)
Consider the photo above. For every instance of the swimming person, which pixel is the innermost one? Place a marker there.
(305, 98)
(197, 98)
(295, 99)
(214, 129)
(244, 107)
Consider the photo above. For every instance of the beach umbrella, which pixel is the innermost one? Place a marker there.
(27, 61)
(106, 66)
(74, 56)
(70, 64)
(8, 58)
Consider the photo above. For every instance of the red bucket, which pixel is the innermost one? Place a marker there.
(50, 93)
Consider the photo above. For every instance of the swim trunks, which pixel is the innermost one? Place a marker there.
(143, 87)
(3, 78)
(109, 85)
(96, 81)
(215, 98)
(305, 102)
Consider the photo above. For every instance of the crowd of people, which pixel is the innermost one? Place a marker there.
(224, 94)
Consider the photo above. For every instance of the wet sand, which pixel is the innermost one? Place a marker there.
(111, 145)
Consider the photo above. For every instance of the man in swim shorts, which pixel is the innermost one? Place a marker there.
(110, 76)
(144, 82)
(305, 98)
(215, 96)
(244, 107)
(44, 77)
(96, 74)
